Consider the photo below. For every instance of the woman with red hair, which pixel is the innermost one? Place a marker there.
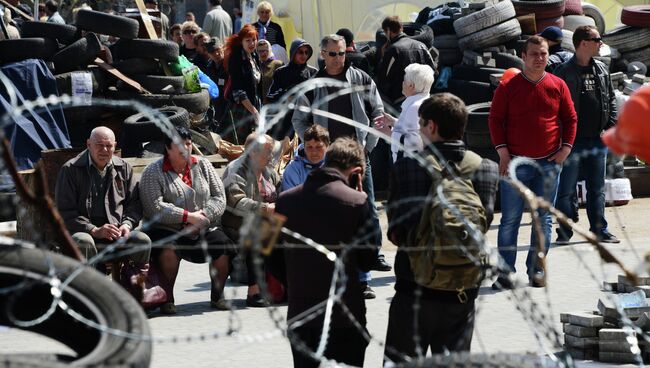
(243, 66)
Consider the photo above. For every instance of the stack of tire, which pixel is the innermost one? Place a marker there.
(632, 40)
(575, 17)
(139, 129)
(547, 12)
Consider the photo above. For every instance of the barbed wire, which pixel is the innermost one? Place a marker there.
(540, 323)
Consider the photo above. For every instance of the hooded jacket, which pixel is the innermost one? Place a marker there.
(292, 74)
(297, 170)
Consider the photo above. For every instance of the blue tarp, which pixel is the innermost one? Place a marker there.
(37, 130)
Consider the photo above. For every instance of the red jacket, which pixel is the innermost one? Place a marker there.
(532, 119)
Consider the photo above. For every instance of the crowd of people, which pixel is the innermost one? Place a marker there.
(551, 114)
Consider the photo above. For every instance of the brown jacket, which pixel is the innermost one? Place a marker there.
(73, 199)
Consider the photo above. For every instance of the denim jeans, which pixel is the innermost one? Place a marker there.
(374, 229)
(590, 155)
(544, 184)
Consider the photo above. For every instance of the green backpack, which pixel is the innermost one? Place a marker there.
(447, 257)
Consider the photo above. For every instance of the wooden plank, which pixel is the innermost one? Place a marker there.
(117, 74)
(146, 19)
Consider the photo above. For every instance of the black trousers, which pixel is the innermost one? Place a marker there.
(344, 345)
(440, 325)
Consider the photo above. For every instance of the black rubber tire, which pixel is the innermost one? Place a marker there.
(593, 11)
(139, 66)
(442, 26)
(573, 7)
(90, 294)
(64, 33)
(642, 55)
(107, 24)
(196, 103)
(158, 83)
(541, 24)
(419, 32)
(484, 18)
(571, 22)
(567, 41)
(636, 16)
(449, 41)
(506, 61)
(543, 9)
(27, 48)
(495, 35)
(473, 73)
(138, 129)
(77, 55)
(151, 49)
(471, 92)
(625, 38)
(450, 56)
(477, 132)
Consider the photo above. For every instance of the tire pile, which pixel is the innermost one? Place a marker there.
(632, 40)
(70, 49)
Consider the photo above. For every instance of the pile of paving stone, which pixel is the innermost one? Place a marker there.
(606, 335)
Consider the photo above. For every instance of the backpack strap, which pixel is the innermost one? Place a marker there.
(470, 163)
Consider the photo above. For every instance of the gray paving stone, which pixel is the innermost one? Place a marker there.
(609, 357)
(614, 346)
(614, 334)
(579, 331)
(582, 354)
(581, 342)
(585, 319)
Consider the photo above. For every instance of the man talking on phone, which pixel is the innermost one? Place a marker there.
(330, 209)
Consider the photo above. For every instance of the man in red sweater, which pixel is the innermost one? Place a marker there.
(531, 116)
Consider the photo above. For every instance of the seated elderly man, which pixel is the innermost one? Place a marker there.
(250, 185)
(98, 199)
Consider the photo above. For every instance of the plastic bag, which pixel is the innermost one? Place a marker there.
(208, 84)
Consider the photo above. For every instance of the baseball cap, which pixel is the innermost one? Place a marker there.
(631, 135)
(552, 33)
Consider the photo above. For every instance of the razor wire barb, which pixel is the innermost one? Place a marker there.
(521, 297)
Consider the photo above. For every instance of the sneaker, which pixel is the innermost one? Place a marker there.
(257, 301)
(562, 240)
(503, 283)
(220, 304)
(607, 237)
(368, 293)
(381, 264)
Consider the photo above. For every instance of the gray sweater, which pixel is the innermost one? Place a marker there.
(165, 196)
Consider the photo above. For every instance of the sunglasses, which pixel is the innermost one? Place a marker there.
(189, 32)
(334, 53)
(595, 39)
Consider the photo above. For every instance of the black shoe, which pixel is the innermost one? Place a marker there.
(368, 293)
(257, 301)
(562, 240)
(503, 283)
(381, 264)
(538, 280)
(606, 237)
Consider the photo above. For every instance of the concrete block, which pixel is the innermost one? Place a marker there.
(634, 304)
(609, 357)
(582, 354)
(643, 280)
(580, 331)
(617, 76)
(644, 288)
(476, 6)
(638, 78)
(614, 334)
(581, 342)
(643, 322)
(610, 286)
(614, 346)
(585, 319)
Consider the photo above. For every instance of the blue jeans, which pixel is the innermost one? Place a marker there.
(590, 154)
(512, 206)
(374, 229)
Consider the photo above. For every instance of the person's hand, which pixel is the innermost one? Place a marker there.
(268, 208)
(504, 161)
(561, 155)
(382, 124)
(198, 219)
(125, 230)
(106, 231)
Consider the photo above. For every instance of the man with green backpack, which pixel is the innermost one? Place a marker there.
(437, 215)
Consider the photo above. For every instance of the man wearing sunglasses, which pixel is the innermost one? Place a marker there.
(593, 97)
(362, 105)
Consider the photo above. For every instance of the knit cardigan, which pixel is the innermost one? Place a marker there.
(165, 196)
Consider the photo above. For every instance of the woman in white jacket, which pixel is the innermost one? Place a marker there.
(405, 130)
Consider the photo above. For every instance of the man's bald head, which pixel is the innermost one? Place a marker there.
(101, 145)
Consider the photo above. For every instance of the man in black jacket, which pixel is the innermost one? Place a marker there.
(331, 198)
(444, 320)
(594, 101)
(287, 77)
(401, 52)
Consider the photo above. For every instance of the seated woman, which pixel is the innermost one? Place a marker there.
(405, 130)
(183, 197)
(251, 185)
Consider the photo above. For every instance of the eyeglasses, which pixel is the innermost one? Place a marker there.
(190, 31)
(595, 39)
(334, 53)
